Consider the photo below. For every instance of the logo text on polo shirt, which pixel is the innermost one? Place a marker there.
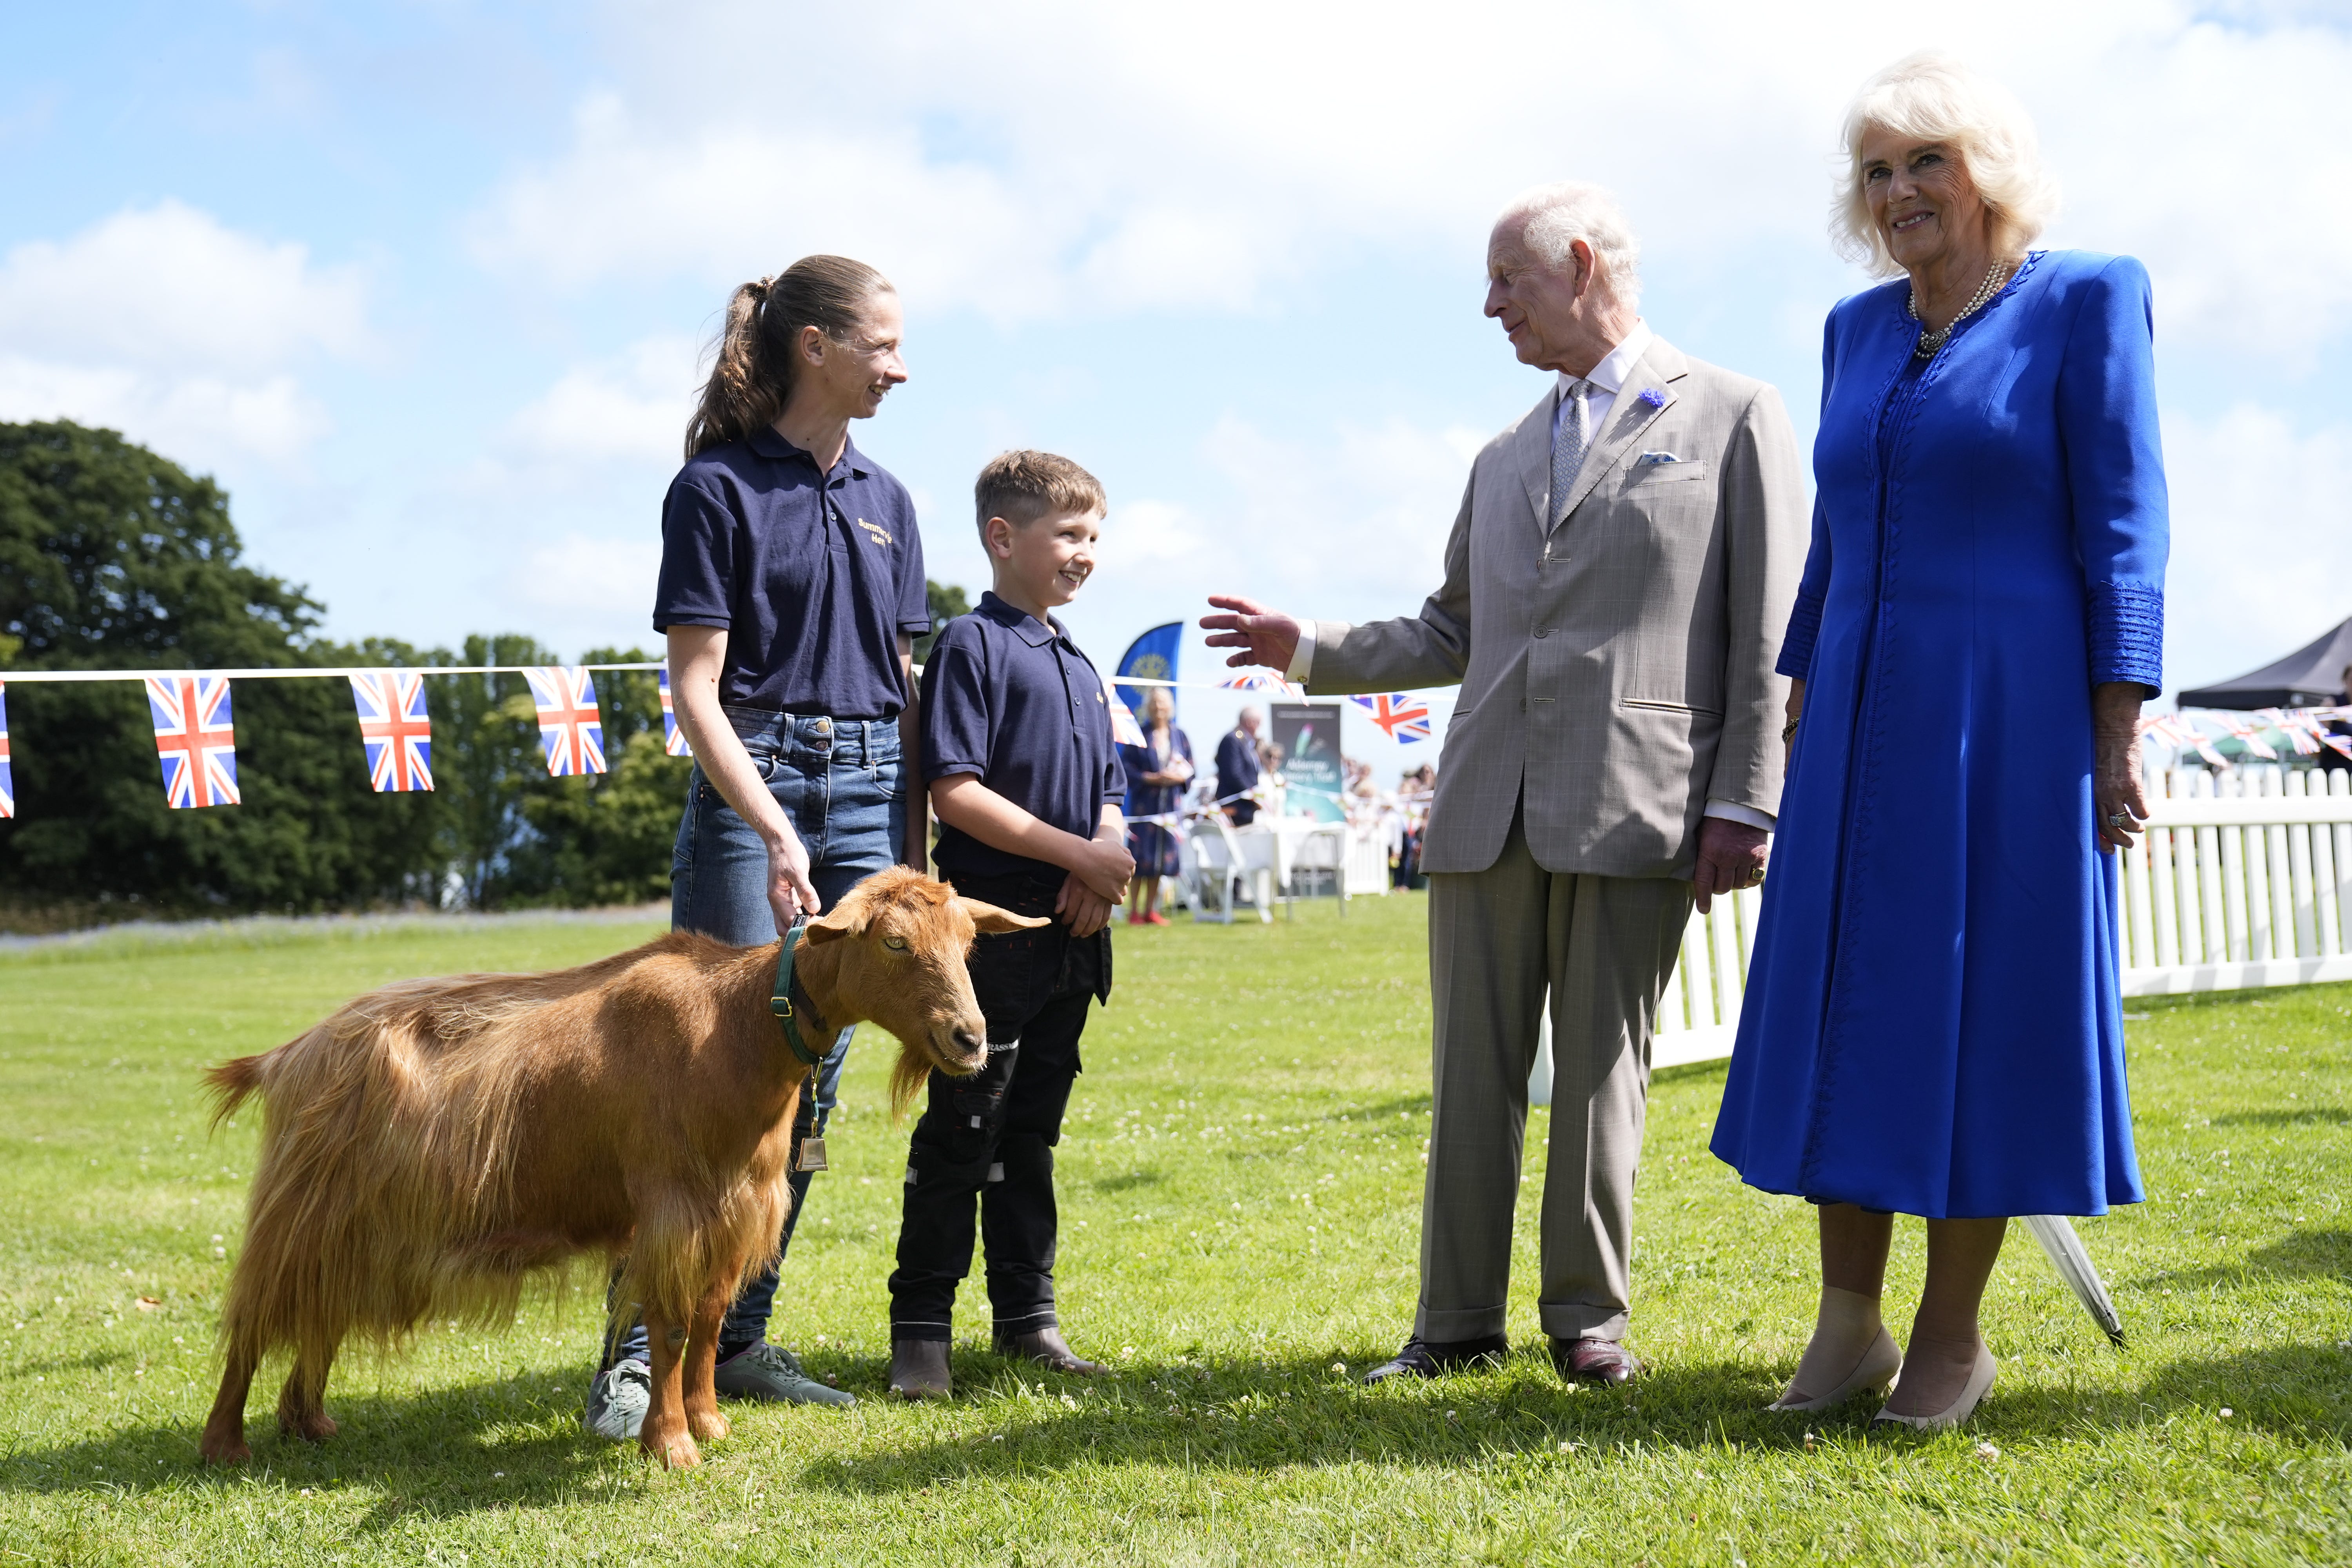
(877, 535)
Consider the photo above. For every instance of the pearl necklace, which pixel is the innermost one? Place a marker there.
(1995, 276)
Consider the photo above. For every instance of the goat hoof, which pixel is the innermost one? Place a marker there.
(675, 1453)
(311, 1426)
(709, 1425)
(223, 1450)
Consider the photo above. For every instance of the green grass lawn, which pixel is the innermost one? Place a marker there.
(1240, 1194)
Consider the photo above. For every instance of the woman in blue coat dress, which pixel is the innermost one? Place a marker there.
(1932, 1025)
(1156, 772)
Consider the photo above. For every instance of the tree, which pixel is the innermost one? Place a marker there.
(946, 604)
(605, 840)
(486, 747)
(112, 557)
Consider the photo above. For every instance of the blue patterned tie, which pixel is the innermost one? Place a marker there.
(1568, 449)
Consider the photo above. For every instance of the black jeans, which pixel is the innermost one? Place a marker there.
(986, 1142)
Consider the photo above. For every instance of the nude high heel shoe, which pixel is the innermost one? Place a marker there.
(1960, 1410)
(1877, 1368)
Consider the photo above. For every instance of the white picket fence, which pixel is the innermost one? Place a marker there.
(2242, 879)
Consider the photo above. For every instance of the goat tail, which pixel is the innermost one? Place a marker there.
(232, 1083)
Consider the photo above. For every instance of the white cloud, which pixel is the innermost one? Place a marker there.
(1347, 520)
(187, 417)
(727, 201)
(169, 288)
(2261, 543)
(1040, 160)
(182, 333)
(1145, 532)
(633, 407)
(584, 579)
(2211, 152)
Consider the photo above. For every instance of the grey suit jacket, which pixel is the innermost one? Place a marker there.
(1617, 666)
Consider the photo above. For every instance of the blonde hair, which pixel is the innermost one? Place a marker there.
(1021, 487)
(759, 345)
(1935, 97)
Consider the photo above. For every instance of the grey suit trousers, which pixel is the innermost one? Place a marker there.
(1605, 946)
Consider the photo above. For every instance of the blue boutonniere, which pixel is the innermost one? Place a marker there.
(1653, 397)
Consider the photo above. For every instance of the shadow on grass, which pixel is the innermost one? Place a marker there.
(2301, 1253)
(1270, 1416)
(1278, 1416)
(2316, 1115)
(1127, 1181)
(1405, 1106)
(2300, 1392)
(495, 1443)
(515, 1442)
(89, 1361)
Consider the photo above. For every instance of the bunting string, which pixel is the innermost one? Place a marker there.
(196, 735)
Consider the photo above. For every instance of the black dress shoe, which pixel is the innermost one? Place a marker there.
(1435, 1358)
(1596, 1360)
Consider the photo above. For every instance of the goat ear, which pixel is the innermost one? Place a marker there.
(993, 921)
(840, 923)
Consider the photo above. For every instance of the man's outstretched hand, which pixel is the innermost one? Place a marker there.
(1730, 857)
(1265, 636)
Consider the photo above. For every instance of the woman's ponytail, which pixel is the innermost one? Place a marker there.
(752, 373)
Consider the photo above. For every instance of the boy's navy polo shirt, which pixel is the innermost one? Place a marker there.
(814, 575)
(1015, 703)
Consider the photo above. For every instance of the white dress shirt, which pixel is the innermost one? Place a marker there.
(1605, 381)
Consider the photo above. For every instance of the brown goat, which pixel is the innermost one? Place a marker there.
(434, 1142)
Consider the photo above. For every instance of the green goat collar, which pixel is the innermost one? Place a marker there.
(781, 1003)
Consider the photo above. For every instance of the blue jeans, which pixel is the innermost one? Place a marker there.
(839, 781)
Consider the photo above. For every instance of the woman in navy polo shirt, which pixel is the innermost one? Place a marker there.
(792, 589)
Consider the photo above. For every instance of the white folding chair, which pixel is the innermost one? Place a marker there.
(1234, 862)
(1211, 868)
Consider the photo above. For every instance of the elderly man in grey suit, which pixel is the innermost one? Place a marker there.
(1616, 586)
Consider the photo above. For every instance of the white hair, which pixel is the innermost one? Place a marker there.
(1554, 218)
(1935, 97)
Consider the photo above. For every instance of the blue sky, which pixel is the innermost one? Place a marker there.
(424, 284)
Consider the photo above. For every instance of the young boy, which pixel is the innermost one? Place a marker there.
(1017, 754)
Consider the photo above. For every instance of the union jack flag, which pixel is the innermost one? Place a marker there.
(1258, 681)
(2177, 729)
(673, 737)
(571, 727)
(1401, 717)
(1124, 730)
(2301, 727)
(394, 730)
(7, 778)
(194, 739)
(2245, 736)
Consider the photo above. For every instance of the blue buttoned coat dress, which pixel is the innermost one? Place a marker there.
(1932, 1024)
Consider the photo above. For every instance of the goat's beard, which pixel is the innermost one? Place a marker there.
(913, 1070)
